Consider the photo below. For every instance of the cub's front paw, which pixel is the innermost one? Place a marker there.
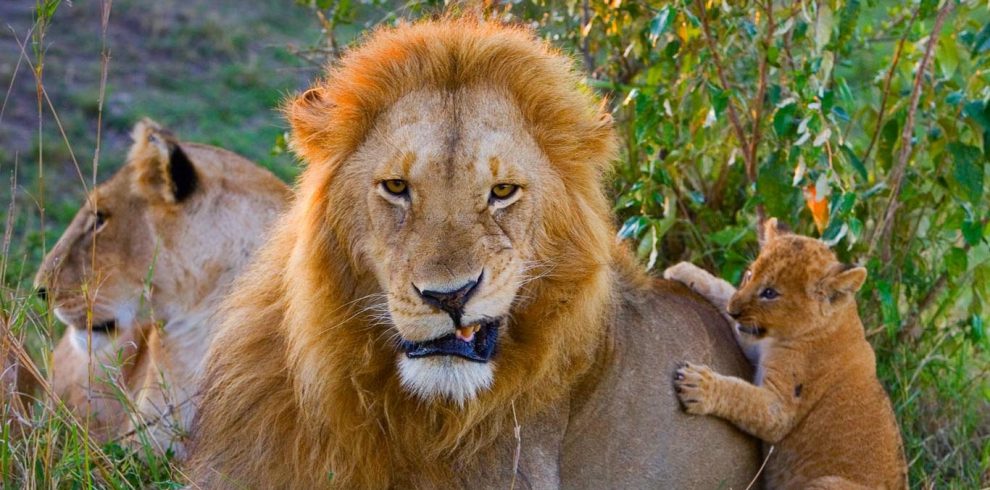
(687, 273)
(695, 387)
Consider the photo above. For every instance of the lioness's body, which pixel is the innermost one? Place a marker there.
(457, 160)
(172, 228)
(817, 399)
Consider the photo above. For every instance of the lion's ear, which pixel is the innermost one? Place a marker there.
(164, 172)
(308, 114)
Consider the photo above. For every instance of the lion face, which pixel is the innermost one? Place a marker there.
(794, 288)
(452, 183)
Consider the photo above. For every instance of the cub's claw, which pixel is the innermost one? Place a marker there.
(694, 385)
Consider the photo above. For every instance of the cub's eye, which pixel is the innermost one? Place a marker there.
(395, 187)
(769, 293)
(504, 191)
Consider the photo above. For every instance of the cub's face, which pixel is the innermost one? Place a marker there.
(454, 188)
(794, 288)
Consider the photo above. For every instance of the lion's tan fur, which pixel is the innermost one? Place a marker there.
(817, 399)
(302, 380)
(171, 263)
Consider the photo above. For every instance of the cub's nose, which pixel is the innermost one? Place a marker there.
(451, 301)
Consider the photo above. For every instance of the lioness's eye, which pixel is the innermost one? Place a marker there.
(99, 220)
(504, 191)
(395, 186)
(769, 293)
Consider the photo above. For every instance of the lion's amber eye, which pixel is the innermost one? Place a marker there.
(504, 191)
(395, 186)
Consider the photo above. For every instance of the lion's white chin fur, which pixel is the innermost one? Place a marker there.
(446, 377)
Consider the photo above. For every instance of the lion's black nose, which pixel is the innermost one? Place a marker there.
(42, 293)
(452, 302)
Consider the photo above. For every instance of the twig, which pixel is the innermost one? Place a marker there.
(886, 88)
(760, 471)
(896, 178)
(517, 431)
(733, 117)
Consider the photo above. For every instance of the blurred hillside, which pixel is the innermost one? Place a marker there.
(212, 71)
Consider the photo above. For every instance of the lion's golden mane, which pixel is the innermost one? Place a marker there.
(300, 383)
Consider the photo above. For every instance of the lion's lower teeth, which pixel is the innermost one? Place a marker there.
(467, 333)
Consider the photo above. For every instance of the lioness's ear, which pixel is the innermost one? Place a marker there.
(163, 171)
(843, 279)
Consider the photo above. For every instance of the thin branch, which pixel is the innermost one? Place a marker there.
(896, 178)
(720, 71)
(886, 88)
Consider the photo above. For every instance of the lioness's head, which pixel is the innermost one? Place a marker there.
(95, 275)
(457, 166)
(794, 287)
(154, 243)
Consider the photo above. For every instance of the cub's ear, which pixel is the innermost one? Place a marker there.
(770, 231)
(163, 172)
(843, 279)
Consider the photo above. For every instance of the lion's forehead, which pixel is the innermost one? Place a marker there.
(463, 135)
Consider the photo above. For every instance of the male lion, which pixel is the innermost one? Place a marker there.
(157, 244)
(448, 270)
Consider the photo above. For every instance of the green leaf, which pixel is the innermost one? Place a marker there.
(888, 306)
(978, 111)
(956, 262)
(972, 231)
(976, 330)
(823, 27)
(633, 227)
(854, 160)
(659, 24)
(967, 171)
(774, 186)
(847, 23)
(784, 120)
(981, 43)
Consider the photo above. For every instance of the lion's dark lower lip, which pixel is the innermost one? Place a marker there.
(752, 330)
(480, 349)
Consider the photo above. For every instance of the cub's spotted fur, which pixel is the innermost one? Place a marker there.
(816, 397)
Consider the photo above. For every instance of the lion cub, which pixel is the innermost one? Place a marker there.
(816, 396)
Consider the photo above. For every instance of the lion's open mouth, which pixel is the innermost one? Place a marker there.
(474, 342)
(752, 330)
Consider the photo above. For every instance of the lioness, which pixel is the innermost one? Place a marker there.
(139, 273)
(449, 271)
(816, 397)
